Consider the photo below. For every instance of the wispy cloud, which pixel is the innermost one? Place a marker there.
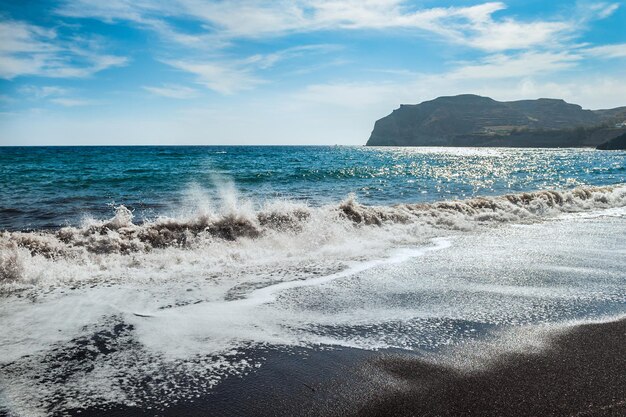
(516, 65)
(41, 92)
(352, 94)
(602, 10)
(61, 96)
(172, 91)
(225, 21)
(265, 61)
(508, 34)
(27, 49)
(510, 46)
(221, 76)
(228, 76)
(72, 102)
(607, 51)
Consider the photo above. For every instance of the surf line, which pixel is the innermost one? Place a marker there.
(268, 294)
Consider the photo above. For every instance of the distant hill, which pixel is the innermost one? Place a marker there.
(471, 120)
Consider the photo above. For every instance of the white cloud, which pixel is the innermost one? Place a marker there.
(172, 91)
(54, 94)
(40, 92)
(603, 10)
(509, 34)
(265, 61)
(515, 47)
(473, 26)
(607, 51)
(517, 65)
(223, 77)
(72, 102)
(110, 10)
(27, 49)
(228, 76)
(352, 94)
(589, 91)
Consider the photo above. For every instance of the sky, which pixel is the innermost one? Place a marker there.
(230, 72)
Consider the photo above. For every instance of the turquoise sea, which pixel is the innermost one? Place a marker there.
(49, 187)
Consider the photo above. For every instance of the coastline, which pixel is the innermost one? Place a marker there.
(579, 373)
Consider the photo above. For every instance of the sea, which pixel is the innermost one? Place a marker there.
(143, 278)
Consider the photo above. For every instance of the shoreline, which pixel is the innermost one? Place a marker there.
(579, 373)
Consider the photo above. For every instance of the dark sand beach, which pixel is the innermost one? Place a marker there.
(582, 372)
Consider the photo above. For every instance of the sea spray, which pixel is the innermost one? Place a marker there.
(215, 239)
(235, 220)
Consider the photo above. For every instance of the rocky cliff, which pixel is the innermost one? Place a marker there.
(618, 143)
(471, 120)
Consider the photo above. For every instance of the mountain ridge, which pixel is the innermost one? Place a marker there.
(473, 120)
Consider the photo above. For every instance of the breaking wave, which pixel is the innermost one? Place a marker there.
(120, 235)
(223, 235)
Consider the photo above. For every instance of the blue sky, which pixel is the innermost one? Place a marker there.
(86, 72)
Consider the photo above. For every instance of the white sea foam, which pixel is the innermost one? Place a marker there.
(97, 308)
(211, 235)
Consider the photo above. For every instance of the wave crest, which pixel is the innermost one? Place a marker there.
(120, 235)
(510, 207)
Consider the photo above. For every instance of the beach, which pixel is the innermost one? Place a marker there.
(578, 372)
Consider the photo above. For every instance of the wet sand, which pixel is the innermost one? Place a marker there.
(581, 373)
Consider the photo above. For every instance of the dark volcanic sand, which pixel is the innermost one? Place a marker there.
(583, 373)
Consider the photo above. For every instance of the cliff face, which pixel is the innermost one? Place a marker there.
(618, 143)
(470, 120)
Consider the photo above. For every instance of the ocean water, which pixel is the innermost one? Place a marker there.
(145, 276)
(48, 187)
